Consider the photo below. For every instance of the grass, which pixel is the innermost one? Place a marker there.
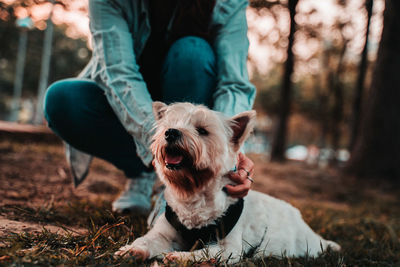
(363, 217)
(104, 234)
(366, 239)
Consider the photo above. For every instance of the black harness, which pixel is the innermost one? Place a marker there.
(198, 237)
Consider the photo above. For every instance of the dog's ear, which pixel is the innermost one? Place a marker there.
(242, 125)
(159, 109)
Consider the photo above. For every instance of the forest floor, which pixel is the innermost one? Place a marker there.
(44, 220)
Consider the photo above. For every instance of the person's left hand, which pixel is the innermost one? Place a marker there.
(245, 168)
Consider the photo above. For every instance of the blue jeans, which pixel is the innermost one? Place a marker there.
(78, 112)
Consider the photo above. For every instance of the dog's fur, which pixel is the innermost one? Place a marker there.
(208, 146)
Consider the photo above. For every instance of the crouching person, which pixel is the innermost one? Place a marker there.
(145, 51)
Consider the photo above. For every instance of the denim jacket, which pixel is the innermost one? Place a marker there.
(120, 29)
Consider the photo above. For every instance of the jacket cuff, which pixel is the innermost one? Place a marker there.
(144, 141)
(144, 153)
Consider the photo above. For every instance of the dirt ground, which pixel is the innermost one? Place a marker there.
(34, 177)
(36, 174)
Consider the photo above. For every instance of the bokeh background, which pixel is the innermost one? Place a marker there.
(332, 64)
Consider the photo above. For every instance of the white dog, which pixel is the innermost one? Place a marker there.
(194, 149)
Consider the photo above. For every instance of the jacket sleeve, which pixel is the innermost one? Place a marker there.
(234, 92)
(117, 73)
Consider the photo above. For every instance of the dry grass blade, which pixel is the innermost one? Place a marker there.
(100, 232)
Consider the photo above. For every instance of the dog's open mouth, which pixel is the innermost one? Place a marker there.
(173, 158)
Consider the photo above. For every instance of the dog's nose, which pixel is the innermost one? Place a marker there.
(172, 135)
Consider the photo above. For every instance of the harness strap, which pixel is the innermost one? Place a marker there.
(219, 229)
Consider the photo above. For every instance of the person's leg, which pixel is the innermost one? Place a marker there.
(78, 111)
(189, 72)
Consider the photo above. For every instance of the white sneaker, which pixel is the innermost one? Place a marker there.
(136, 197)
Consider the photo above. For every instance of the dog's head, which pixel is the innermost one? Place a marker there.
(194, 145)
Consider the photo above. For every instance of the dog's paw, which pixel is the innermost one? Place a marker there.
(172, 257)
(131, 251)
(333, 245)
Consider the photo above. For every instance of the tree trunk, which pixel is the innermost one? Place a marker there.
(19, 75)
(45, 67)
(324, 96)
(279, 139)
(337, 92)
(362, 69)
(377, 149)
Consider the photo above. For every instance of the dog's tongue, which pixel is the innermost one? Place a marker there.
(173, 159)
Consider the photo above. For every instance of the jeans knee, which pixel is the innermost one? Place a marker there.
(193, 52)
(190, 63)
(54, 102)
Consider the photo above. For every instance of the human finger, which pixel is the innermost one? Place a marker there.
(246, 164)
(240, 189)
(238, 195)
(238, 177)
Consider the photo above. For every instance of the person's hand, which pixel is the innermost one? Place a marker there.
(245, 169)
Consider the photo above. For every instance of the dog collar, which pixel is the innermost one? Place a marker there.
(198, 237)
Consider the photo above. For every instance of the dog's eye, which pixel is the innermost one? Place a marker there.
(202, 131)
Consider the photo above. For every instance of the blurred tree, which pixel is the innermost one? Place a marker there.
(279, 139)
(268, 90)
(23, 25)
(320, 94)
(336, 87)
(317, 105)
(45, 66)
(376, 153)
(69, 55)
(323, 94)
(362, 70)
